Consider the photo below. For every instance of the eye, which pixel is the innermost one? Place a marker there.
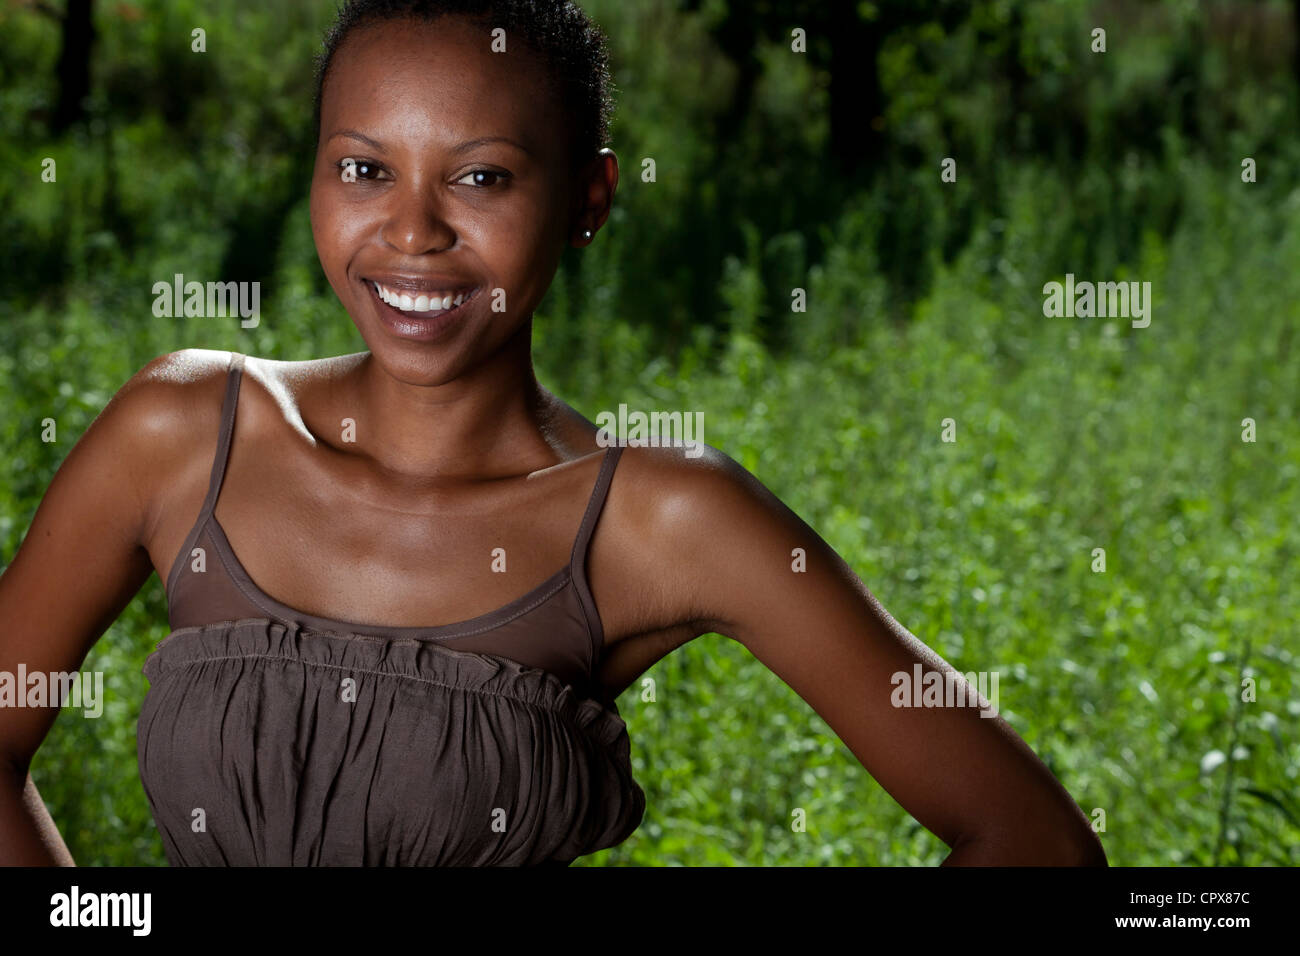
(352, 169)
(483, 173)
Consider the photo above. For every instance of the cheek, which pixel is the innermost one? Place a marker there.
(533, 253)
(335, 226)
(521, 242)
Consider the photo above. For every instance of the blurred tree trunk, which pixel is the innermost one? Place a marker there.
(856, 98)
(1295, 37)
(74, 64)
(736, 35)
(857, 103)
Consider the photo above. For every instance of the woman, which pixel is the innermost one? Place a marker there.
(417, 580)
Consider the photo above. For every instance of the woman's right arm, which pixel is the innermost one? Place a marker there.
(80, 564)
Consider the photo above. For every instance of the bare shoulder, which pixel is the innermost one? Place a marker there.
(175, 400)
(169, 401)
(163, 422)
(677, 488)
(119, 474)
(701, 533)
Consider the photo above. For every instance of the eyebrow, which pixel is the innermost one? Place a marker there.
(459, 148)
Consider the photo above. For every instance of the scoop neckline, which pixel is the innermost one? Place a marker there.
(489, 620)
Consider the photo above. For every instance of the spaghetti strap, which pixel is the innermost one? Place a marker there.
(578, 560)
(579, 556)
(236, 369)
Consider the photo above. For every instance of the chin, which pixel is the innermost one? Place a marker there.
(413, 364)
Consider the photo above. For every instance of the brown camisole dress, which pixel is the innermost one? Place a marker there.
(272, 737)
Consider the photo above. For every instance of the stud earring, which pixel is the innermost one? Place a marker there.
(586, 233)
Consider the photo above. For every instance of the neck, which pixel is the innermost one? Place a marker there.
(492, 420)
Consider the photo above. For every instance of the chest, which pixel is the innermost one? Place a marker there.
(349, 547)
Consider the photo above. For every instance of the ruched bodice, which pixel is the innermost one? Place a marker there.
(263, 744)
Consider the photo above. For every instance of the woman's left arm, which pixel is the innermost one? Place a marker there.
(969, 779)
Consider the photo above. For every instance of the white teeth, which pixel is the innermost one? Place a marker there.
(421, 302)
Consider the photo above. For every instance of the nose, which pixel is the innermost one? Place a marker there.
(416, 224)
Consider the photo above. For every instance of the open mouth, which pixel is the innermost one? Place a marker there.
(420, 313)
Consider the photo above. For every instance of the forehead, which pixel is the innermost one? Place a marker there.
(417, 81)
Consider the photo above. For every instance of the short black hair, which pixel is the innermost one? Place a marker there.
(570, 44)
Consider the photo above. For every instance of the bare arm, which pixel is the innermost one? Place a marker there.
(969, 779)
(80, 564)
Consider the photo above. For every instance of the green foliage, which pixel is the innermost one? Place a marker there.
(924, 303)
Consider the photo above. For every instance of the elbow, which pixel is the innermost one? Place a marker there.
(1086, 851)
(1068, 843)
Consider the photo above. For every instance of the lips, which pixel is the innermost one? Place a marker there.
(405, 304)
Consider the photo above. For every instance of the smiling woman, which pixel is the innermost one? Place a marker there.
(401, 639)
(409, 165)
